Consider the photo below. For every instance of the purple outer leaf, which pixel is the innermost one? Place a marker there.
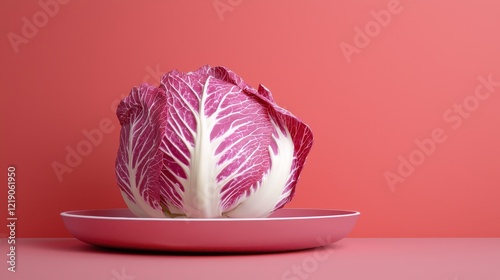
(285, 125)
(215, 143)
(139, 161)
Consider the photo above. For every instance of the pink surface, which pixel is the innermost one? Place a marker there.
(284, 230)
(391, 89)
(349, 259)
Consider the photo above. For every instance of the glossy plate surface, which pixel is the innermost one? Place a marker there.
(285, 230)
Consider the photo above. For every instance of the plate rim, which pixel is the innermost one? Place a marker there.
(68, 214)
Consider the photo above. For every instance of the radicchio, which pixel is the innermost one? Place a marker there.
(204, 144)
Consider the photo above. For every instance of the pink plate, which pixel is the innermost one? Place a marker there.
(285, 230)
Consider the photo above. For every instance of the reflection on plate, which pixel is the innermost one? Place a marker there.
(284, 230)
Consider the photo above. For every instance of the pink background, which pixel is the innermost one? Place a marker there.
(369, 90)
